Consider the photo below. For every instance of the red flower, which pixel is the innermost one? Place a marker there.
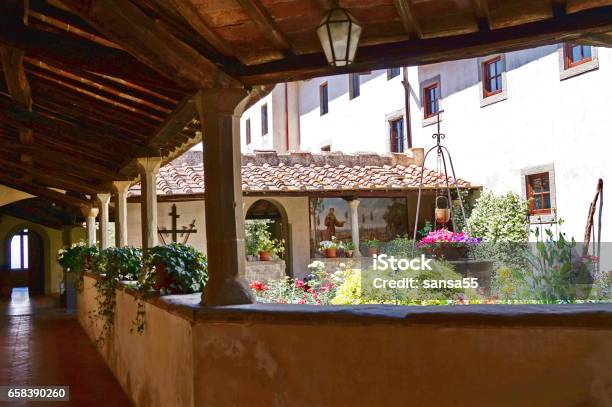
(300, 284)
(301, 302)
(258, 286)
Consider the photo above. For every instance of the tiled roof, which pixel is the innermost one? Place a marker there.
(294, 172)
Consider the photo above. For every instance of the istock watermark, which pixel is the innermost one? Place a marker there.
(384, 262)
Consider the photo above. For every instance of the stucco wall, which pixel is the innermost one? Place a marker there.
(274, 355)
(154, 368)
(9, 195)
(52, 242)
(295, 207)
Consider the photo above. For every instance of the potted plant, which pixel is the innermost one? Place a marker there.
(449, 245)
(349, 249)
(269, 248)
(329, 248)
(178, 268)
(371, 246)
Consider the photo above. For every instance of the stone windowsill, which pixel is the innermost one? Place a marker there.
(594, 316)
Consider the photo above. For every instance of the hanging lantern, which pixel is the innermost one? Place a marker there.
(339, 34)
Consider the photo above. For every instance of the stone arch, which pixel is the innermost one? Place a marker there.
(267, 208)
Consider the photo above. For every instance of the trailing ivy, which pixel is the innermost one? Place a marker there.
(77, 259)
(112, 265)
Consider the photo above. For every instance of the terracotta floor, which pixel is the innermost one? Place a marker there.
(42, 344)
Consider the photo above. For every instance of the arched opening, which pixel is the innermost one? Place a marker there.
(277, 224)
(25, 254)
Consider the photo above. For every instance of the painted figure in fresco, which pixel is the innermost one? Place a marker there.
(330, 223)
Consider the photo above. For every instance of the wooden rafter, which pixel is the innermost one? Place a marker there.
(483, 17)
(150, 44)
(266, 24)
(189, 12)
(328, 4)
(407, 18)
(580, 25)
(14, 74)
(41, 191)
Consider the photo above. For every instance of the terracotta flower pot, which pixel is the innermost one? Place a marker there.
(330, 253)
(349, 253)
(264, 256)
(372, 251)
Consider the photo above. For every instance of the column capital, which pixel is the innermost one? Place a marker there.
(149, 165)
(231, 101)
(90, 212)
(104, 198)
(122, 186)
(353, 203)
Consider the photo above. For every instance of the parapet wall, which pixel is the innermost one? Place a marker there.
(272, 355)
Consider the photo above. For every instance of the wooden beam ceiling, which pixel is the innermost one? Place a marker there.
(407, 18)
(41, 191)
(483, 18)
(150, 44)
(258, 14)
(575, 27)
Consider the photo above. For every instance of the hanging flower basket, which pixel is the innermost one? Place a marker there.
(448, 245)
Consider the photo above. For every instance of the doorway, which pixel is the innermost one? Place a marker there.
(25, 253)
(278, 226)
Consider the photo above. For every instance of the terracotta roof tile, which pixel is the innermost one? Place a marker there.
(303, 172)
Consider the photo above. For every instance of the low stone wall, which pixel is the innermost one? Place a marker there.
(265, 270)
(273, 355)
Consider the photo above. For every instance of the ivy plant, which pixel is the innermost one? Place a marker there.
(179, 269)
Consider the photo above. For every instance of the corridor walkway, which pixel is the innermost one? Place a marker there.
(41, 344)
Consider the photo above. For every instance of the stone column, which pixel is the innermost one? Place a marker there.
(354, 204)
(148, 168)
(220, 111)
(121, 227)
(90, 218)
(104, 200)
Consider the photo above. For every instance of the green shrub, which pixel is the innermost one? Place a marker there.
(499, 218)
(123, 263)
(177, 268)
(401, 247)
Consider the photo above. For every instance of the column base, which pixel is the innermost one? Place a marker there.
(227, 292)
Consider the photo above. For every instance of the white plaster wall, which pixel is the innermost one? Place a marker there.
(259, 141)
(358, 124)
(544, 120)
(295, 207)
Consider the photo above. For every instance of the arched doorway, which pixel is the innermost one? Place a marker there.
(25, 255)
(278, 225)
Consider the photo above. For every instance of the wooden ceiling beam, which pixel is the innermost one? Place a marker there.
(578, 26)
(189, 13)
(126, 25)
(328, 4)
(52, 178)
(14, 74)
(483, 16)
(411, 25)
(41, 191)
(18, 117)
(61, 158)
(64, 50)
(266, 24)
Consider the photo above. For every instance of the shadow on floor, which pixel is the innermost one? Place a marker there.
(42, 344)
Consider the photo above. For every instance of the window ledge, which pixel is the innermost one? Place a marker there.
(432, 120)
(579, 69)
(498, 97)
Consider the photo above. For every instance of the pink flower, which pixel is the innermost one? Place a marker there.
(300, 284)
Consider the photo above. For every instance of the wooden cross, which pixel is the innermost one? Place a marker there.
(175, 231)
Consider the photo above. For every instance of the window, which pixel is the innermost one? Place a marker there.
(19, 250)
(431, 96)
(323, 99)
(577, 54)
(392, 73)
(264, 119)
(396, 135)
(492, 77)
(538, 193)
(248, 131)
(354, 85)
(576, 59)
